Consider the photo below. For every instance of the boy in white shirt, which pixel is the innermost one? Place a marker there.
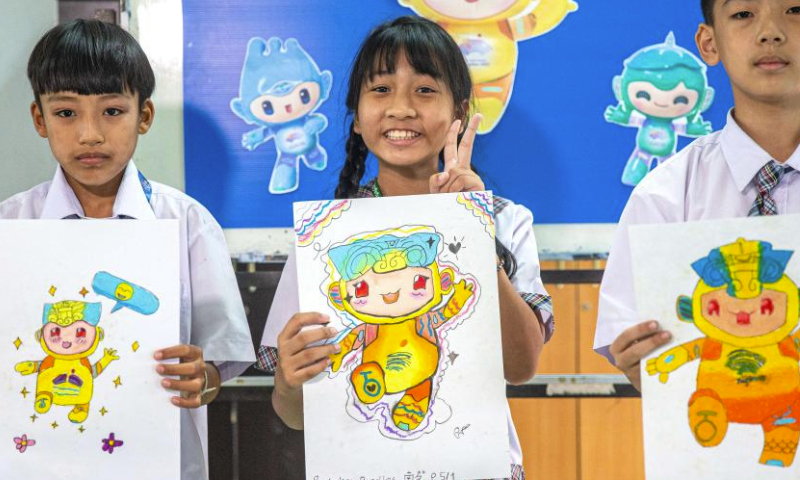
(92, 85)
(748, 168)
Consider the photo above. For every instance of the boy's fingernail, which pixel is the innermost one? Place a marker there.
(332, 331)
(160, 369)
(176, 401)
(337, 348)
(652, 326)
(165, 383)
(664, 335)
(326, 318)
(158, 355)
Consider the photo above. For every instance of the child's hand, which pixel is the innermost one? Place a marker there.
(635, 343)
(457, 175)
(191, 370)
(297, 362)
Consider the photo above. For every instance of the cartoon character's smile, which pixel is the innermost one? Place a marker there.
(66, 345)
(390, 298)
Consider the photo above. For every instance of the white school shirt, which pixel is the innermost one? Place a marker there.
(514, 229)
(218, 325)
(710, 179)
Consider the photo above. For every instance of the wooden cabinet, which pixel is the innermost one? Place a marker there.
(578, 438)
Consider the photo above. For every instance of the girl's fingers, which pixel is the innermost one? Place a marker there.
(451, 145)
(300, 320)
(461, 180)
(302, 340)
(467, 142)
(437, 181)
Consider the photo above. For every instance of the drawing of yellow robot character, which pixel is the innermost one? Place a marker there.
(69, 335)
(395, 289)
(487, 31)
(747, 309)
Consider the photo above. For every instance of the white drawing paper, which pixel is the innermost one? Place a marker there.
(722, 399)
(85, 305)
(418, 389)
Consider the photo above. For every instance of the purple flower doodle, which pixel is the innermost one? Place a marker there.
(110, 443)
(23, 443)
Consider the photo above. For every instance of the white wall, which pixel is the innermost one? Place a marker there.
(25, 158)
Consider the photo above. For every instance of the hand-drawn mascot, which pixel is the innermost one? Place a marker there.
(393, 289)
(487, 33)
(69, 335)
(747, 308)
(281, 87)
(662, 91)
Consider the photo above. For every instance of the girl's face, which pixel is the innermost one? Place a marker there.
(403, 117)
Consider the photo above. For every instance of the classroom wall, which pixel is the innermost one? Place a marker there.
(25, 159)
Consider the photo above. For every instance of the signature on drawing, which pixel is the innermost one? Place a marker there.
(459, 432)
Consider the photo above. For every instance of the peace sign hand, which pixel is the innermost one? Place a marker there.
(457, 175)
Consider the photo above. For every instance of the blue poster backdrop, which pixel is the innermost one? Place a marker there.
(552, 150)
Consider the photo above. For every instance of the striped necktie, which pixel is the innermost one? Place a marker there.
(765, 181)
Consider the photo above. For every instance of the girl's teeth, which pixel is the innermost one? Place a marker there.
(401, 135)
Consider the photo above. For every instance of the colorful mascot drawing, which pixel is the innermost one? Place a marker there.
(663, 90)
(69, 336)
(487, 31)
(747, 309)
(281, 87)
(399, 300)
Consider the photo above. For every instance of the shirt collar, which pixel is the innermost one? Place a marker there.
(131, 201)
(744, 156)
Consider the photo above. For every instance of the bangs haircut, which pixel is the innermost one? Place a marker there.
(707, 6)
(429, 49)
(90, 57)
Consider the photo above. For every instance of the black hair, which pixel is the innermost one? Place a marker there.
(707, 6)
(90, 57)
(430, 50)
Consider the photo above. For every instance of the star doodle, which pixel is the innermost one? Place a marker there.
(54, 425)
(52, 290)
(83, 292)
(24, 392)
(103, 412)
(117, 382)
(17, 343)
(452, 356)
(33, 417)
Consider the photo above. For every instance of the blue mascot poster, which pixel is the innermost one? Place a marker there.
(264, 87)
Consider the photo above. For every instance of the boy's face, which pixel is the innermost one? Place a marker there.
(758, 42)
(92, 136)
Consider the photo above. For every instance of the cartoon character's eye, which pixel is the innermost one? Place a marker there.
(643, 95)
(268, 108)
(420, 282)
(80, 333)
(681, 100)
(767, 306)
(362, 289)
(713, 307)
(56, 332)
(305, 97)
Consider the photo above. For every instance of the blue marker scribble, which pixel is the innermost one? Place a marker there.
(125, 293)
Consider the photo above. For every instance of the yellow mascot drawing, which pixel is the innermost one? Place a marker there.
(69, 335)
(487, 31)
(747, 309)
(401, 300)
